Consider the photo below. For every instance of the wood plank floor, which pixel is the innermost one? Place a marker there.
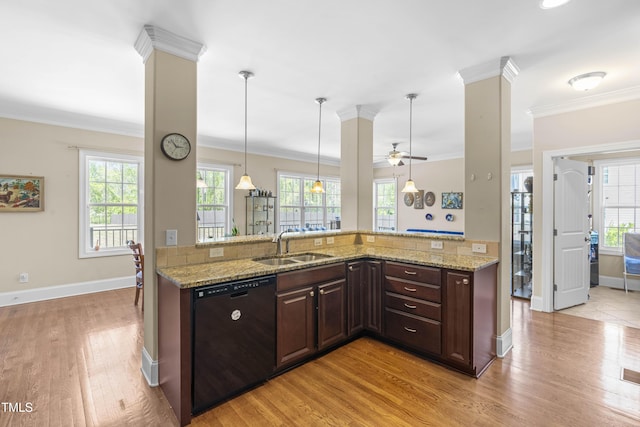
(77, 361)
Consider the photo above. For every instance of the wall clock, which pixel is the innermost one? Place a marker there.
(175, 146)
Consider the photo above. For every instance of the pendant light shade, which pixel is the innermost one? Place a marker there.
(410, 186)
(245, 181)
(317, 186)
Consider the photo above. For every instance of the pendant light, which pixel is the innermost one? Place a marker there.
(245, 181)
(317, 186)
(410, 186)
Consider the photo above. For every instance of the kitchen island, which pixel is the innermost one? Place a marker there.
(440, 305)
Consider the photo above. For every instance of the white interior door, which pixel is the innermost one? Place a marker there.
(571, 229)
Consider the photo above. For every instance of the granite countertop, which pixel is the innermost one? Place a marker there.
(189, 276)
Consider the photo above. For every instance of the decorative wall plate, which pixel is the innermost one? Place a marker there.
(429, 217)
(429, 198)
(419, 200)
(408, 199)
(449, 217)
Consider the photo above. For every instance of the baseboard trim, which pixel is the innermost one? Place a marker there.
(504, 343)
(618, 283)
(149, 368)
(61, 291)
(536, 303)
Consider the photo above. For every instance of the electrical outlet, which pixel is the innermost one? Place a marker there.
(216, 252)
(171, 238)
(371, 239)
(479, 248)
(329, 240)
(24, 277)
(436, 244)
(317, 242)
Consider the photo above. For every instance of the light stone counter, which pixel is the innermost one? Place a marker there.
(189, 276)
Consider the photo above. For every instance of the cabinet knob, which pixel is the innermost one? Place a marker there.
(321, 291)
(351, 268)
(462, 282)
(311, 293)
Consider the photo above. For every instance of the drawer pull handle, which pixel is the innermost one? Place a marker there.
(410, 289)
(413, 331)
(411, 273)
(410, 306)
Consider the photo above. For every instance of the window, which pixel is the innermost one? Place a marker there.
(213, 200)
(618, 201)
(300, 209)
(111, 203)
(384, 196)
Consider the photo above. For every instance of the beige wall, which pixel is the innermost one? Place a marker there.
(595, 129)
(45, 244)
(436, 176)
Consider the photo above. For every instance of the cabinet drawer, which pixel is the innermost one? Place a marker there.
(413, 289)
(414, 306)
(416, 273)
(413, 331)
(310, 276)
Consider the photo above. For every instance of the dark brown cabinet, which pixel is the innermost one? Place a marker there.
(311, 312)
(364, 290)
(470, 319)
(412, 306)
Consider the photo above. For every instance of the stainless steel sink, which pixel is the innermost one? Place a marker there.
(309, 257)
(291, 259)
(275, 261)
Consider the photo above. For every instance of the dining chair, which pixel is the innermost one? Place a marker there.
(138, 261)
(631, 252)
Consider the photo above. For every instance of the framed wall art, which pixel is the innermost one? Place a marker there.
(419, 202)
(452, 200)
(21, 193)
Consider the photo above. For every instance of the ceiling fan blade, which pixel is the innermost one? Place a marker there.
(416, 157)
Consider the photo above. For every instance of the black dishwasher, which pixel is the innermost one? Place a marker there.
(233, 339)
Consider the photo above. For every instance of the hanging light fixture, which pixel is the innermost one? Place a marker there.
(317, 186)
(410, 186)
(245, 181)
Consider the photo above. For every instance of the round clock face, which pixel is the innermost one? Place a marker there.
(175, 146)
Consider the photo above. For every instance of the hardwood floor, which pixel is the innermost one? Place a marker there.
(77, 361)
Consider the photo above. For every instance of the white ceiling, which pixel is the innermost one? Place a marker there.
(73, 62)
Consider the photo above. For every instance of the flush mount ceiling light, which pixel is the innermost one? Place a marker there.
(587, 81)
(245, 181)
(550, 4)
(317, 186)
(410, 186)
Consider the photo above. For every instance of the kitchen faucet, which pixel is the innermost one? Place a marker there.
(278, 239)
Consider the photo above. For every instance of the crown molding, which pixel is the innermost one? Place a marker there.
(152, 37)
(498, 67)
(357, 111)
(623, 95)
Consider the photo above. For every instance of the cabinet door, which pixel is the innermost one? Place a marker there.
(458, 316)
(295, 326)
(356, 286)
(332, 313)
(373, 293)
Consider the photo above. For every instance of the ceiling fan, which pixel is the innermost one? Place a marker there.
(395, 157)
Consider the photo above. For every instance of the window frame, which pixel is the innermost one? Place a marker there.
(598, 202)
(376, 182)
(228, 193)
(305, 177)
(84, 246)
